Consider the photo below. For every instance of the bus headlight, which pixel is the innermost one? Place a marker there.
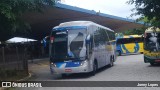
(53, 65)
(84, 63)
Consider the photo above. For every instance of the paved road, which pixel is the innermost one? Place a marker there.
(126, 68)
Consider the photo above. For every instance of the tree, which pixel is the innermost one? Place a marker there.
(11, 12)
(148, 9)
(139, 31)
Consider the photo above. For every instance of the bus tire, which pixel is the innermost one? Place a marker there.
(95, 67)
(111, 62)
(141, 52)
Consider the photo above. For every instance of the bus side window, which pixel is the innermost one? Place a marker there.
(91, 45)
(96, 38)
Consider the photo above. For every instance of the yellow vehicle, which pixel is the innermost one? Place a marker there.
(152, 45)
(129, 44)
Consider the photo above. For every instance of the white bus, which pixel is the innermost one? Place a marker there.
(81, 47)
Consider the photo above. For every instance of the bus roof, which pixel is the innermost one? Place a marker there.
(79, 24)
(151, 29)
(129, 36)
(69, 28)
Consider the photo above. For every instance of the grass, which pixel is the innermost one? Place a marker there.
(12, 75)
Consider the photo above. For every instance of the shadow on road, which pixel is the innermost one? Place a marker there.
(155, 65)
(130, 54)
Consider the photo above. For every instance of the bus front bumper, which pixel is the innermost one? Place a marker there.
(149, 60)
(85, 68)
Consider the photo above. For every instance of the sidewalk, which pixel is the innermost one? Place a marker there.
(36, 60)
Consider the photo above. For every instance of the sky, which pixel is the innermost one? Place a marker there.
(113, 7)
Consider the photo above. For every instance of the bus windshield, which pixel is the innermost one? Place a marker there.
(129, 40)
(152, 41)
(59, 46)
(76, 39)
(68, 45)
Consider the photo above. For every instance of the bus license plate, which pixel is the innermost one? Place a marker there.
(68, 70)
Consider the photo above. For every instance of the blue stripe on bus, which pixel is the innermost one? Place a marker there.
(58, 65)
(118, 47)
(70, 28)
(136, 48)
(123, 46)
(68, 64)
(73, 64)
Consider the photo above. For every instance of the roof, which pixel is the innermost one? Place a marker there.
(42, 23)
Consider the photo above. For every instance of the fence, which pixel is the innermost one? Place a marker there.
(37, 50)
(13, 57)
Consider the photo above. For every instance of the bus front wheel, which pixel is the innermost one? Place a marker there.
(141, 52)
(111, 62)
(95, 66)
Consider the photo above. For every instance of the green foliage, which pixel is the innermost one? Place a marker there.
(119, 35)
(139, 31)
(149, 9)
(11, 12)
(135, 31)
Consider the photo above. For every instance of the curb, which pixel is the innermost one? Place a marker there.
(26, 78)
(35, 60)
